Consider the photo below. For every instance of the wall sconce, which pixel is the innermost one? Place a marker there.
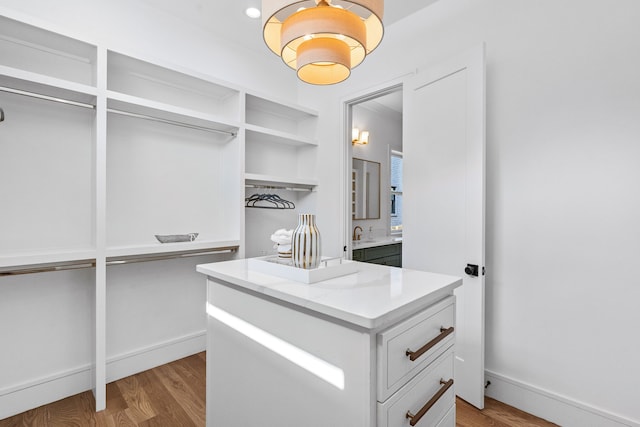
(361, 138)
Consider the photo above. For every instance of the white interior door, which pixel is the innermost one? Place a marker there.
(443, 144)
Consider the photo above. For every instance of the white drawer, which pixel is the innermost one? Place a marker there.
(449, 420)
(430, 330)
(432, 388)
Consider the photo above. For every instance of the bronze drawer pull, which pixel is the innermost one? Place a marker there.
(444, 332)
(413, 419)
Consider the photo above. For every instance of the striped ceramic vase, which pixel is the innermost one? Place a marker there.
(305, 243)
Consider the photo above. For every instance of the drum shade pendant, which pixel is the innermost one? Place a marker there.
(322, 39)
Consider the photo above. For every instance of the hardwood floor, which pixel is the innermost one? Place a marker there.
(495, 414)
(173, 395)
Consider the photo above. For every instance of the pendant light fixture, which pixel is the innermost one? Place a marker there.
(322, 39)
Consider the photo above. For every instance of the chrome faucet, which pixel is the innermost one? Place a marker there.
(355, 235)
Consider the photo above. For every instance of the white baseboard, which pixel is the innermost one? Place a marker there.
(149, 357)
(41, 391)
(551, 406)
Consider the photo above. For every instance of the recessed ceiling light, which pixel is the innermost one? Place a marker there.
(253, 12)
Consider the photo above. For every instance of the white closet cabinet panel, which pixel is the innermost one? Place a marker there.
(281, 154)
(147, 81)
(434, 328)
(46, 176)
(38, 313)
(25, 48)
(424, 389)
(165, 179)
(280, 143)
(287, 163)
(281, 117)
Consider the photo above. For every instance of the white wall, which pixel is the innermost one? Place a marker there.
(563, 235)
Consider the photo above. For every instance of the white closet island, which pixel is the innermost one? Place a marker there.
(372, 348)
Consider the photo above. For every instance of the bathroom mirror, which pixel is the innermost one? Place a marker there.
(365, 189)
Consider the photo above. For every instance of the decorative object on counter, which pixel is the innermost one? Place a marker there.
(174, 238)
(268, 201)
(282, 240)
(305, 243)
(322, 39)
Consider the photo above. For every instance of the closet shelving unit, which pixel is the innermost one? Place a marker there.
(280, 143)
(152, 166)
(280, 156)
(48, 79)
(99, 151)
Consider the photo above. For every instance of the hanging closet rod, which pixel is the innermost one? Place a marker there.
(159, 257)
(271, 187)
(90, 263)
(46, 97)
(170, 122)
(44, 268)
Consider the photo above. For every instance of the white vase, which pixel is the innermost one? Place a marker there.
(305, 243)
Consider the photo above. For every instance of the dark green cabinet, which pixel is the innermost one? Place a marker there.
(385, 255)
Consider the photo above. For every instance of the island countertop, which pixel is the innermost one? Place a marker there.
(372, 298)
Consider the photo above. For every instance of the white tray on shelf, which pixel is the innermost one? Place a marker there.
(283, 267)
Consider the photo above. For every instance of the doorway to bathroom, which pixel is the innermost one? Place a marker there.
(374, 162)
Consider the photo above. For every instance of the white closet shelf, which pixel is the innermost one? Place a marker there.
(279, 181)
(167, 75)
(146, 107)
(17, 261)
(261, 134)
(279, 108)
(193, 248)
(45, 85)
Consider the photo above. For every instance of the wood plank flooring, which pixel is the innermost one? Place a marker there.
(173, 395)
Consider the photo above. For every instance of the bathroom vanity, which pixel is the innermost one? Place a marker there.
(371, 348)
(386, 251)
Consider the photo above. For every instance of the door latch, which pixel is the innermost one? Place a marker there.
(471, 270)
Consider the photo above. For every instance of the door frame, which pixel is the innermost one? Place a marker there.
(347, 118)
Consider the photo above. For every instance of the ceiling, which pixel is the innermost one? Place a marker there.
(391, 100)
(227, 18)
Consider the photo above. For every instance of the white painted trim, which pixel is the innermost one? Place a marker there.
(20, 398)
(142, 359)
(347, 103)
(551, 406)
(41, 391)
